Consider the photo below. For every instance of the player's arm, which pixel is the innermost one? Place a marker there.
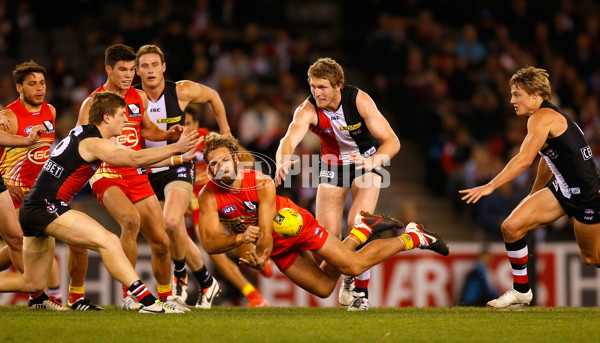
(543, 176)
(8, 139)
(212, 237)
(150, 131)
(380, 129)
(304, 116)
(103, 149)
(8, 122)
(538, 129)
(195, 93)
(84, 112)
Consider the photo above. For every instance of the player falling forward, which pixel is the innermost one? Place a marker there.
(46, 215)
(245, 201)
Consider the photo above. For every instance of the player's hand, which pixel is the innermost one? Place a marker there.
(255, 261)
(472, 195)
(16, 193)
(282, 170)
(190, 155)
(174, 132)
(361, 162)
(251, 234)
(4, 122)
(187, 141)
(35, 133)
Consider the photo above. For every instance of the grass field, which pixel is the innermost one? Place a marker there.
(283, 324)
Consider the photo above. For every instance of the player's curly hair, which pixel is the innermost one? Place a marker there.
(327, 68)
(26, 68)
(105, 102)
(532, 80)
(214, 141)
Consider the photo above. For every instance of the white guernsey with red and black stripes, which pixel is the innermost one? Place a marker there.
(343, 131)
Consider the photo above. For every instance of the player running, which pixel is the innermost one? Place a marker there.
(46, 215)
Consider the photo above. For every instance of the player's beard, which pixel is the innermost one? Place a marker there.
(227, 179)
(32, 101)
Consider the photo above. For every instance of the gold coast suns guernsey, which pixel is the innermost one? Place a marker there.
(20, 166)
(129, 138)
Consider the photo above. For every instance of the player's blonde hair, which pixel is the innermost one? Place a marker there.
(105, 102)
(148, 49)
(327, 68)
(214, 141)
(532, 80)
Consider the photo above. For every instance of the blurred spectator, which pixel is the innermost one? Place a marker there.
(478, 289)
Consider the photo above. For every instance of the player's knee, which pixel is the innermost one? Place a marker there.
(172, 224)
(160, 245)
(590, 259)
(509, 230)
(14, 239)
(324, 291)
(131, 223)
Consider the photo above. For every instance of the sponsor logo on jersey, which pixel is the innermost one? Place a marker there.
(229, 209)
(129, 137)
(251, 206)
(351, 127)
(49, 126)
(36, 113)
(588, 217)
(168, 120)
(327, 173)
(39, 155)
(53, 168)
(586, 152)
(588, 211)
(370, 151)
(133, 110)
(28, 129)
(574, 190)
(318, 232)
(335, 117)
(181, 169)
(182, 175)
(154, 110)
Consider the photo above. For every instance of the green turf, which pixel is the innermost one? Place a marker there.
(283, 324)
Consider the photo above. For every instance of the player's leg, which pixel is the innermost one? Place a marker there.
(305, 273)
(37, 258)
(534, 211)
(232, 272)
(5, 261)
(365, 194)
(177, 198)
(77, 228)
(54, 281)
(588, 239)
(209, 286)
(11, 231)
(152, 226)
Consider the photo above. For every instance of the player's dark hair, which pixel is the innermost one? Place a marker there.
(26, 68)
(214, 141)
(327, 68)
(118, 52)
(102, 103)
(192, 111)
(149, 49)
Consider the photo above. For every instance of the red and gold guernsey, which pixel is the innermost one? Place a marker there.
(20, 166)
(239, 208)
(129, 138)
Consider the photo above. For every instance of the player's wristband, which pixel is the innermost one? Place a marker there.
(176, 160)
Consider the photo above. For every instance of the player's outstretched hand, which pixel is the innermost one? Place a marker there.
(191, 154)
(35, 133)
(472, 195)
(282, 170)
(187, 141)
(174, 132)
(4, 122)
(255, 261)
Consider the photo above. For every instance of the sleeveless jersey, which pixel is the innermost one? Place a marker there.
(130, 135)
(165, 112)
(20, 166)
(239, 208)
(570, 159)
(66, 172)
(343, 131)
